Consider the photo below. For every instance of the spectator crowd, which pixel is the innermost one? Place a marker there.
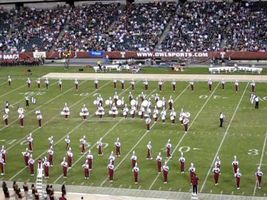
(163, 26)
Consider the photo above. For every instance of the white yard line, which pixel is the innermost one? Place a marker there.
(47, 102)
(261, 159)
(12, 90)
(115, 125)
(50, 119)
(137, 143)
(224, 136)
(182, 138)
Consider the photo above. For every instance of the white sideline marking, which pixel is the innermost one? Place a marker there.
(47, 102)
(261, 159)
(55, 143)
(91, 147)
(53, 118)
(181, 139)
(147, 131)
(224, 136)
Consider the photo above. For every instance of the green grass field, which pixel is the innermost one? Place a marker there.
(243, 134)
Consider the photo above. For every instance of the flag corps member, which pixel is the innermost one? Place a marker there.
(84, 112)
(111, 169)
(21, 116)
(39, 117)
(165, 169)
(66, 111)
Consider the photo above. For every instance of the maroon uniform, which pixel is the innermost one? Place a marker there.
(237, 178)
(100, 148)
(2, 166)
(26, 156)
(90, 158)
(64, 165)
(159, 162)
(259, 175)
(46, 168)
(50, 156)
(21, 120)
(182, 163)
(86, 170)
(118, 148)
(192, 172)
(149, 151)
(133, 160)
(235, 165)
(136, 173)
(216, 174)
(165, 170)
(168, 149)
(186, 124)
(3, 153)
(111, 169)
(83, 144)
(70, 158)
(31, 166)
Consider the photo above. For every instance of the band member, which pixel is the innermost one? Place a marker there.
(50, 153)
(60, 84)
(182, 162)
(39, 117)
(186, 124)
(130, 97)
(100, 111)
(115, 84)
(30, 142)
(118, 147)
(155, 114)
(210, 84)
(165, 170)
(27, 101)
(9, 80)
(125, 111)
(46, 167)
(111, 170)
(96, 84)
(223, 83)
(64, 165)
(90, 158)
(148, 121)
(31, 165)
(192, 171)
(173, 86)
(235, 164)
(133, 84)
(66, 111)
(76, 83)
(33, 100)
(5, 118)
(146, 84)
(160, 83)
(194, 182)
(38, 82)
(192, 85)
(67, 140)
(69, 157)
(221, 119)
(86, 170)
(136, 173)
(46, 83)
(21, 116)
(29, 82)
(100, 147)
(122, 84)
(111, 158)
(84, 112)
(51, 141)
(237, 178)
(170, 102)
(259, 175)
(2, 165)
(216, 174)
(3, 153)
(257, 101)
(169, 149)
(253, 86)
(172, 115)
(133, 110)
(159, 162)
(163, 114)
(83, 144)
(236, 86)
(133, 159)
(114, 111)
(149, 151)
(218, 162)
(26, 156)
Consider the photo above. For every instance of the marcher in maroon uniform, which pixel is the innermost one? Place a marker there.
(169, 149)
(259, 175)
(136, 173)
(237, 178)
(182, 163)
(159, 162)
(111, 169)
(173, 86)
(39, 117)
(100, 147)
(192, 171)
(83, 144)
(26, 156)
(86, 169)
(216, 174)
(46, 167)
(165, 170)
(133, 159)
(2, 165)
(90, 158)
(31, 165)
(149, 151)
(111, 158)
(70, 157)
(195, 180)
(118, 147)
(235, 165)
(64, 165)
(30, 142)
(50, 155)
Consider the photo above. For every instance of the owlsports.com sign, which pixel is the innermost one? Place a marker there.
(8, 56)
(172, 54)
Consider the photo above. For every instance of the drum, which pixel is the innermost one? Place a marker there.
(172, 117)
(187, 114)
(95, 102)
(107, 102)
(159, 104)
(133, 102)
(145, 103)
(119, 102)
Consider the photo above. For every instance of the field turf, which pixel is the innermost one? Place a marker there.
(243, 134)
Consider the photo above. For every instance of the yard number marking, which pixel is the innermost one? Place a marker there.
(184, 149)
(253, 152)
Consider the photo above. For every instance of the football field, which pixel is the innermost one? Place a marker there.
(243, 134)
